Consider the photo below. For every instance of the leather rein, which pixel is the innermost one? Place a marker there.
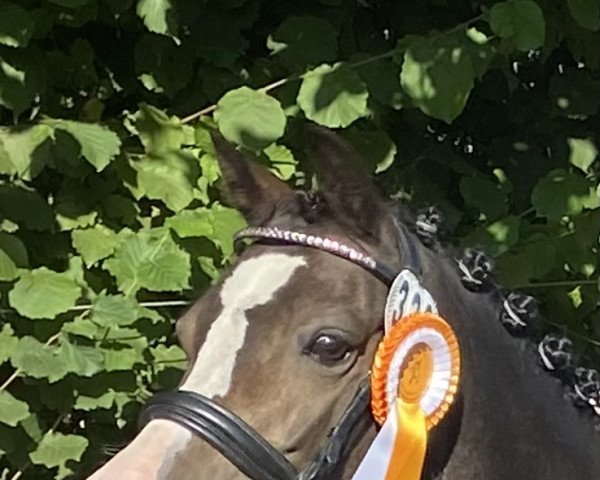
(231, 436)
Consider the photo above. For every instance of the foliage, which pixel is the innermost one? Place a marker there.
(109, 209)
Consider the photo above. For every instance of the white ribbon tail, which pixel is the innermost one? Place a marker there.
(375, 463)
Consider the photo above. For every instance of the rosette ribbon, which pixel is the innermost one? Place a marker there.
(414, 380)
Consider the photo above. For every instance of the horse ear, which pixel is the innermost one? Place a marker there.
(350, 195)
(251, 188)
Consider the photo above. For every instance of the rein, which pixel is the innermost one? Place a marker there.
(231, 436)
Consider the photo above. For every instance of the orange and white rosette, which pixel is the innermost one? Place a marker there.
(414, 380)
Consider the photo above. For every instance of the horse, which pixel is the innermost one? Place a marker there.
(280, 348)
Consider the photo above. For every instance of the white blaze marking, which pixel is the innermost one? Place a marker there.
(169, 459)
(252, 283)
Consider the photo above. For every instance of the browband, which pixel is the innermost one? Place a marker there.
(325, 244)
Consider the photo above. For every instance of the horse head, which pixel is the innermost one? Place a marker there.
(280, 348)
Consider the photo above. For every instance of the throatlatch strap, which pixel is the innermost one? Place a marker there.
(343, 437)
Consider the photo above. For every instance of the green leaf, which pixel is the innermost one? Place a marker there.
(169, 177)
(124, 359)
(25, 208)
(192, 223)
(226, 222)
(89, 403)
(207, 264)
(562, 193)
(42, 293)
(71, 216)
(120, 209)
(8, 342)
(36, 360)
(151, 260)
(25, 149)
(16, 25)
(158, 16)
(575, 297)
(218, 40)
(99, 144)
(12, 255)
(283, 163)
(539, 253)
(202, 135)
(211, 172)
(333, 96)
(8, 268)
(12, 411)
(586, 13)
(496, 238)
(84, 328)
(304, 41)
(505, 232)
(583, 153)
(514, 270)
(81, 360)
(172, 356)
(114, 310)
(374, 146)
(22, 77)
(94, 244)
(479, 48)
(149, 314)
(56, 449)
(381, 78)
(31, 426)
(120, 337)
(157, 131)
(520, 21)
(579, 249)
(485, 195)
(250, 118)
(14, 249)
(74, 4)
(6, 166)
(574, 93)
(162, 65)
(437, 73)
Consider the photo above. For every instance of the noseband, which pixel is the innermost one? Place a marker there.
(235, 439)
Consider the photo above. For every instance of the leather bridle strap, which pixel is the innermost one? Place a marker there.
(343, 437)
(223, 430)
(325, 244)
(241, 445)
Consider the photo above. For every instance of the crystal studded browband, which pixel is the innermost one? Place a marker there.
(321, 243)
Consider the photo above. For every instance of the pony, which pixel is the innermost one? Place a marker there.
(286, 336)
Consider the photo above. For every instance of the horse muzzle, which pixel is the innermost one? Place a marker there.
(245, 448)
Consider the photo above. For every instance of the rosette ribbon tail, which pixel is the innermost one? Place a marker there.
(408, 454)
(398, 451)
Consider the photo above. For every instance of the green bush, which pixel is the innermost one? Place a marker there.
(110, 219)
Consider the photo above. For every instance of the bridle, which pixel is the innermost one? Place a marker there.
(235, 439)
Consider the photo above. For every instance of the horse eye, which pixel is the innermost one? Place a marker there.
(328, 349)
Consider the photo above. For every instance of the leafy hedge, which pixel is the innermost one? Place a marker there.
(110, 220)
